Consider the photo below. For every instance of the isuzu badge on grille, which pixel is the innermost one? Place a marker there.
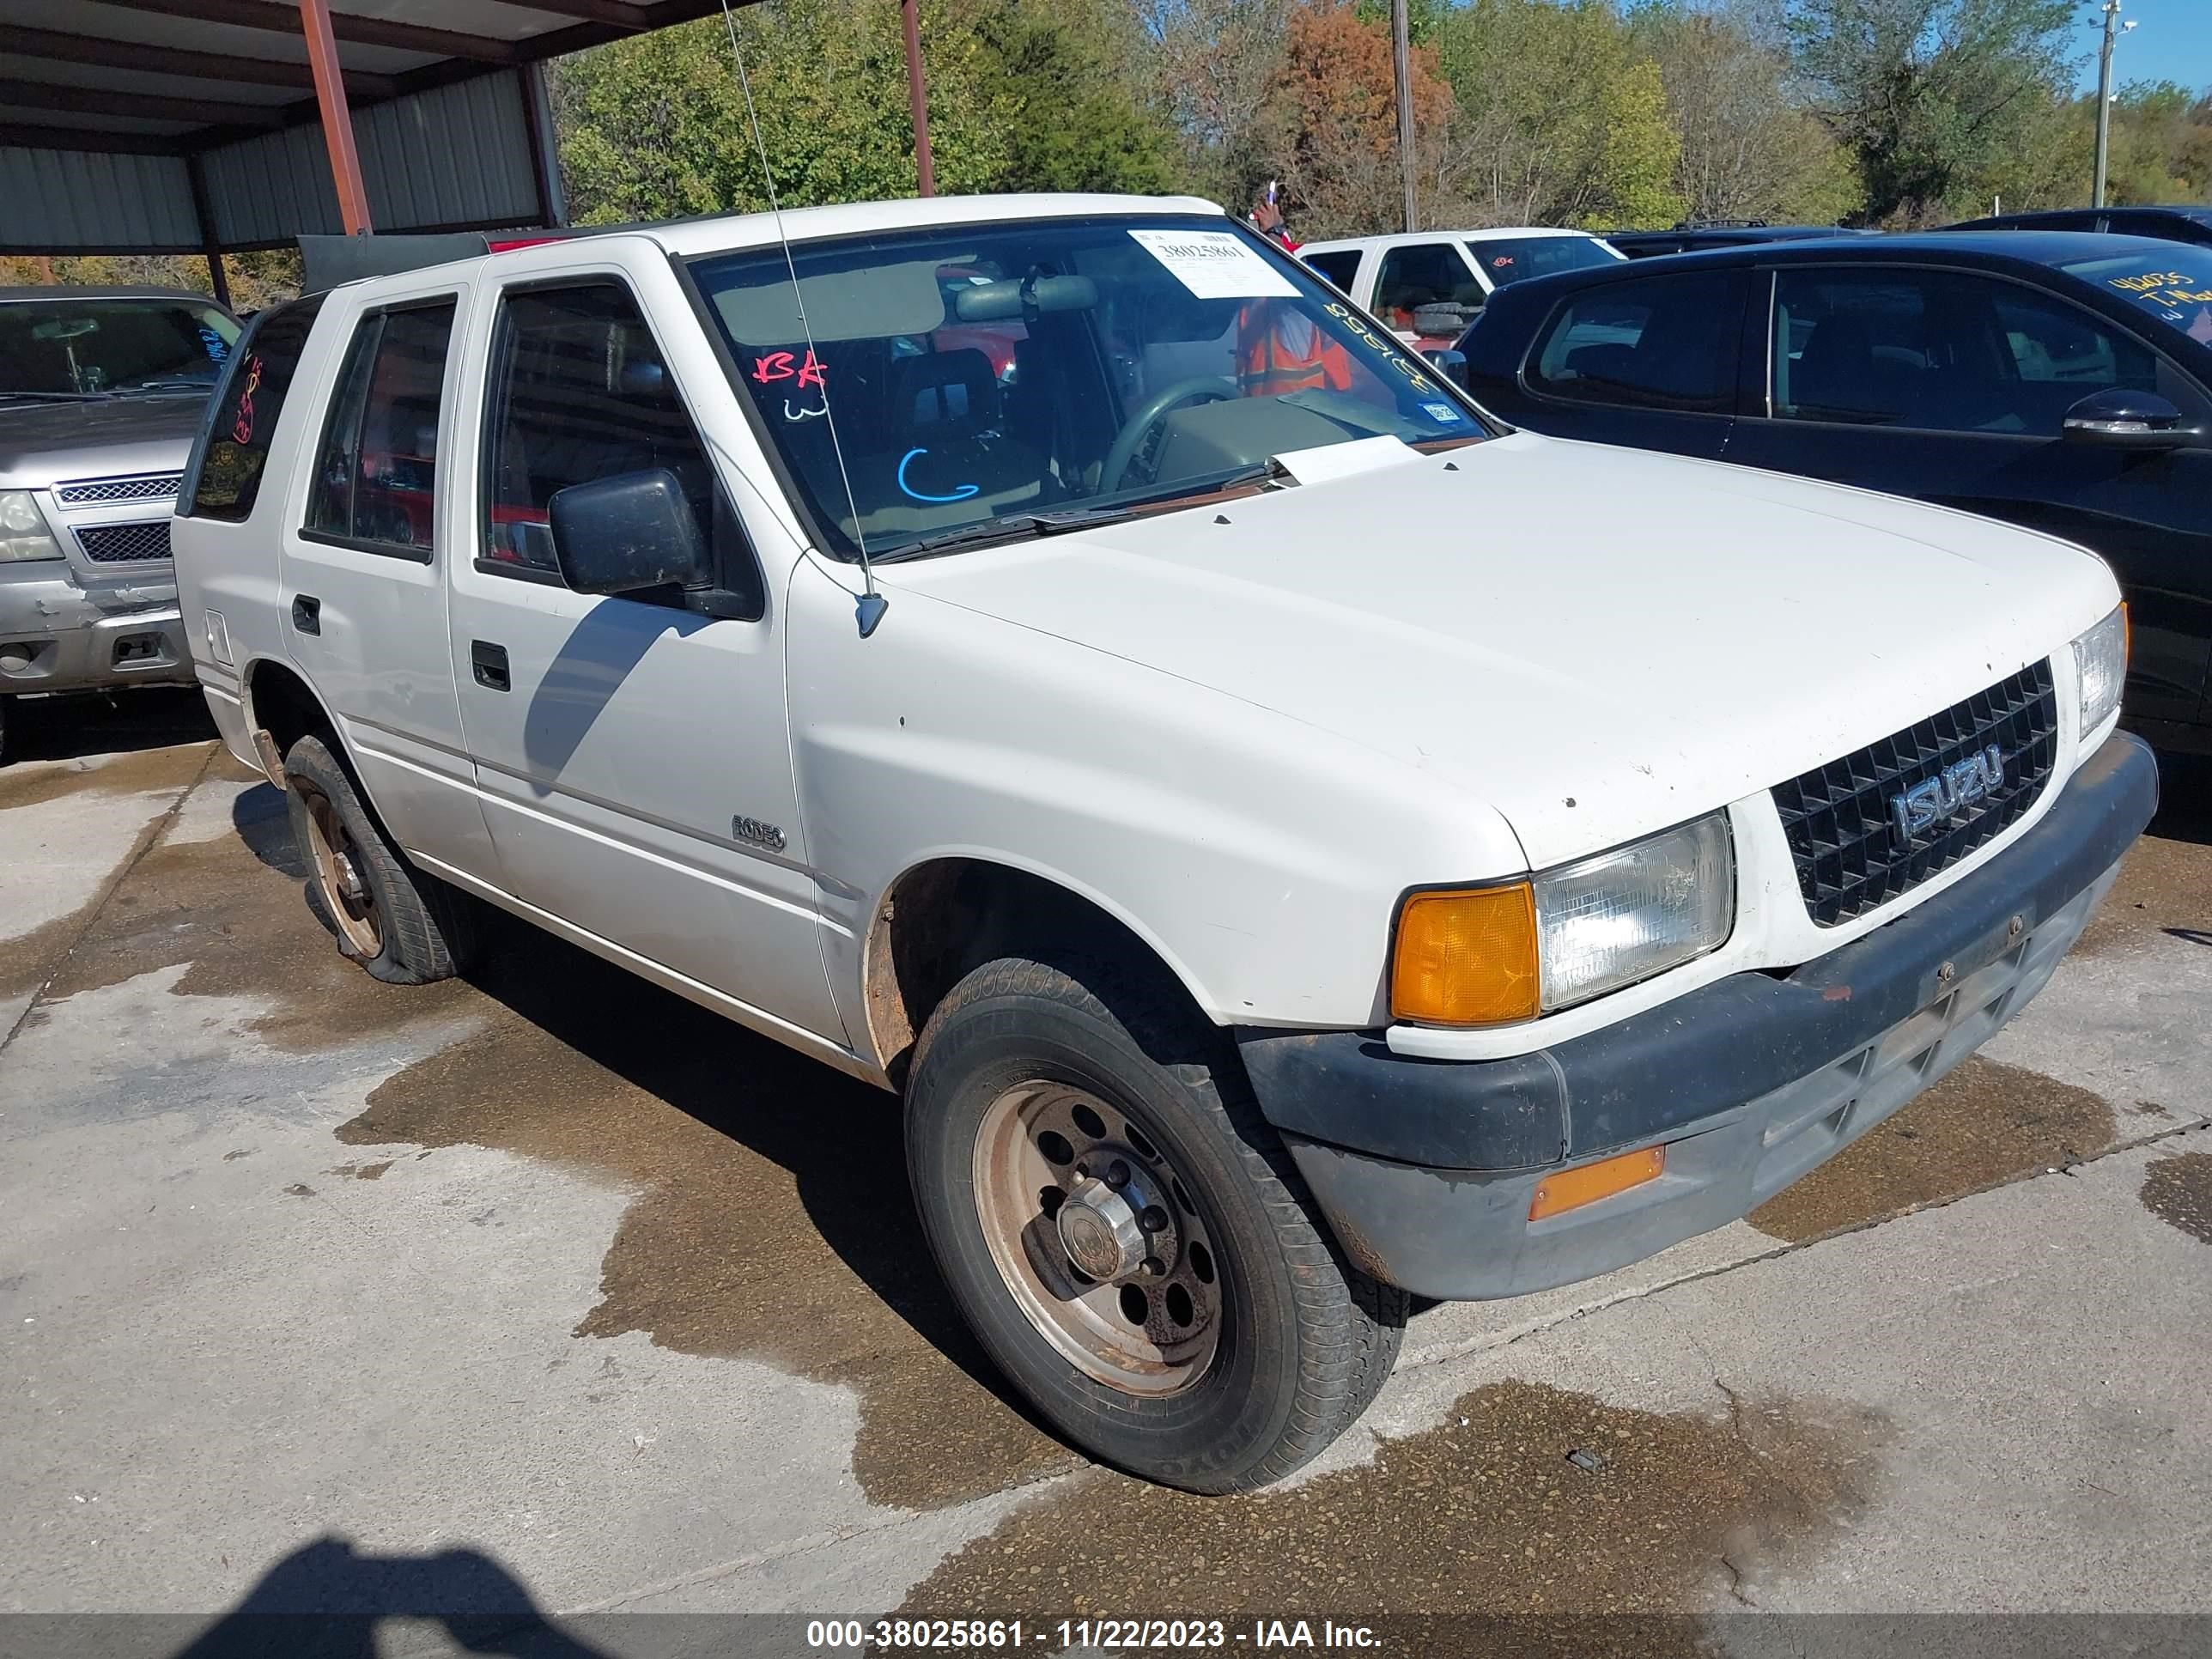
(1948, 794)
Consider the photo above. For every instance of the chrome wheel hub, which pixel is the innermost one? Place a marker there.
(1099, 1231)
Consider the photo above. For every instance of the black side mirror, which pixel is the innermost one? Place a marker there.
(626, 533)
(1444, 320)
(2119, 418)
(1450, 362)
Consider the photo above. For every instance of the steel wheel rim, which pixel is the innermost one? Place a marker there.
(1152, 1330)
(340, 876)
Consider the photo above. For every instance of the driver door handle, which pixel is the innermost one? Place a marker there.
(488, 662)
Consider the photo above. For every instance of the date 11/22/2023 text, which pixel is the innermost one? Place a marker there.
(1012, 1635)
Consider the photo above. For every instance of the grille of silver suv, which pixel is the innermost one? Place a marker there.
(88, 492)
(125, 544)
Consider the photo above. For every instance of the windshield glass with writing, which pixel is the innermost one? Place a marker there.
(977, 371)
(2175, 286)
(1510, 258)
(86, 347)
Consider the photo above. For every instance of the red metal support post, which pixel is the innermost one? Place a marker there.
(917, 96)
(337, 118)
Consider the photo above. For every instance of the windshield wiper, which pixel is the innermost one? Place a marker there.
(55, 397)
(1028, 526)
(1005, 527)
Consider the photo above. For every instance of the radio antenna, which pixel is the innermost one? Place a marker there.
(869, 608)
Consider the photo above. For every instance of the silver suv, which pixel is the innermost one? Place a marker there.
(100, 391)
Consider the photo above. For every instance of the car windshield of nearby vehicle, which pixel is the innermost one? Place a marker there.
(66, 350)
(1021, 377)
(1510, 258)
(2175, 286)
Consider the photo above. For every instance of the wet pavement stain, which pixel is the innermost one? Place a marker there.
(2165, 890)
(234, 909)
(363, 1171)
(1483, 1515)
(147, 771)
(1985, 1124)
(2178, 1190)
(771, 1217)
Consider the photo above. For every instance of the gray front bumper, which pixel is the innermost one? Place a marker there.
(1835, 1046)
(55, 636)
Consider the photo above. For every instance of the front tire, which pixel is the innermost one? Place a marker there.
(403, 925)
(1065, 1118)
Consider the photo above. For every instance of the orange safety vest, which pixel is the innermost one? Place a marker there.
(1268, 367)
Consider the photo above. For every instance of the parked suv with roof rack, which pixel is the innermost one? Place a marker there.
(1287, 851)
(101, 390)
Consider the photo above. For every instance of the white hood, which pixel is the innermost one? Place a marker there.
(1598, 642)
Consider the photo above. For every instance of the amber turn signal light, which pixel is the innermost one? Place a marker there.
(1586, 1183)
(1467, 958)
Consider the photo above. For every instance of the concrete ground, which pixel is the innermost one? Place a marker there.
(549, 1292)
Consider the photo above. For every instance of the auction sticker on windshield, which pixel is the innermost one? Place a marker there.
(1215, 264)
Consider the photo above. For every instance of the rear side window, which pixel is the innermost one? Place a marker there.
(233, 445)
(375, 484)
(579, 392)
(1424, 274)
(1337, 269)
(1662, 343)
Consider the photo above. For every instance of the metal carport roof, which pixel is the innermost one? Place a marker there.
(195, 126)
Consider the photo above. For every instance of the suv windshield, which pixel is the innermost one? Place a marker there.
(975, 372)
(2174, 285)
(68, 348)
(1509, 259)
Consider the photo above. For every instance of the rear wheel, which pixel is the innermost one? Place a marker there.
(1126, 1234)
(403, 925)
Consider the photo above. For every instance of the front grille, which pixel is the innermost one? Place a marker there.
(125, 544)
(1844, 834)
(88, 491)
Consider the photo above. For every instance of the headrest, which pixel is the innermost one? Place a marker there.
(947, 393)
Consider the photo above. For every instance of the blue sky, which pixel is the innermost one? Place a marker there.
(2173, 41)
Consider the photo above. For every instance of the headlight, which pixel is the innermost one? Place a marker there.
(23, 532)
(2100, 665)
(1490, 956)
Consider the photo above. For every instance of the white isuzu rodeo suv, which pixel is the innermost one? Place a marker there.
(1055, 659)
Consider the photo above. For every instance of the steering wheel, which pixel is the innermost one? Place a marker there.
(1213, 388)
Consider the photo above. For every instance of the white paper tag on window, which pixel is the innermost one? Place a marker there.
(1215, 264)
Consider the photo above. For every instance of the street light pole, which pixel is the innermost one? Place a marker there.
(917, 93)
(2113, 29)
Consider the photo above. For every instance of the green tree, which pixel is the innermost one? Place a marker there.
(1930, 95)
(1557, 121)
(654, 126)
(1081, 119)
(1750, 150)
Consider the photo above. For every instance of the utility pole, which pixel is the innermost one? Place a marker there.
(2113, 29)
(917, 96)
(1401, 63)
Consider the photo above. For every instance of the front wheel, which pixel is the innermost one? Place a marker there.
(1127, 1236)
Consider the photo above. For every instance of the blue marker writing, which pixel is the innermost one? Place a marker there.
(960, 492)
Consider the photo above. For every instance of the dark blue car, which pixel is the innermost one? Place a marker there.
(2061, 381)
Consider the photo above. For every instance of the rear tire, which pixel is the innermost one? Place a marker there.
(1247, 1344)
(405, 926)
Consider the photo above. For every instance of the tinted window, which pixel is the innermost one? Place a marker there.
(376, 475)
(234, 442)
(1337, 269)
(1424, 274)
(75, 345)
(1940, 350)
(1663, 343)
(1513, 258)
(2175, 287)
(579, 391)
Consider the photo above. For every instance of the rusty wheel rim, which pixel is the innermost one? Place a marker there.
(1097, 1239)
(340, 876)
